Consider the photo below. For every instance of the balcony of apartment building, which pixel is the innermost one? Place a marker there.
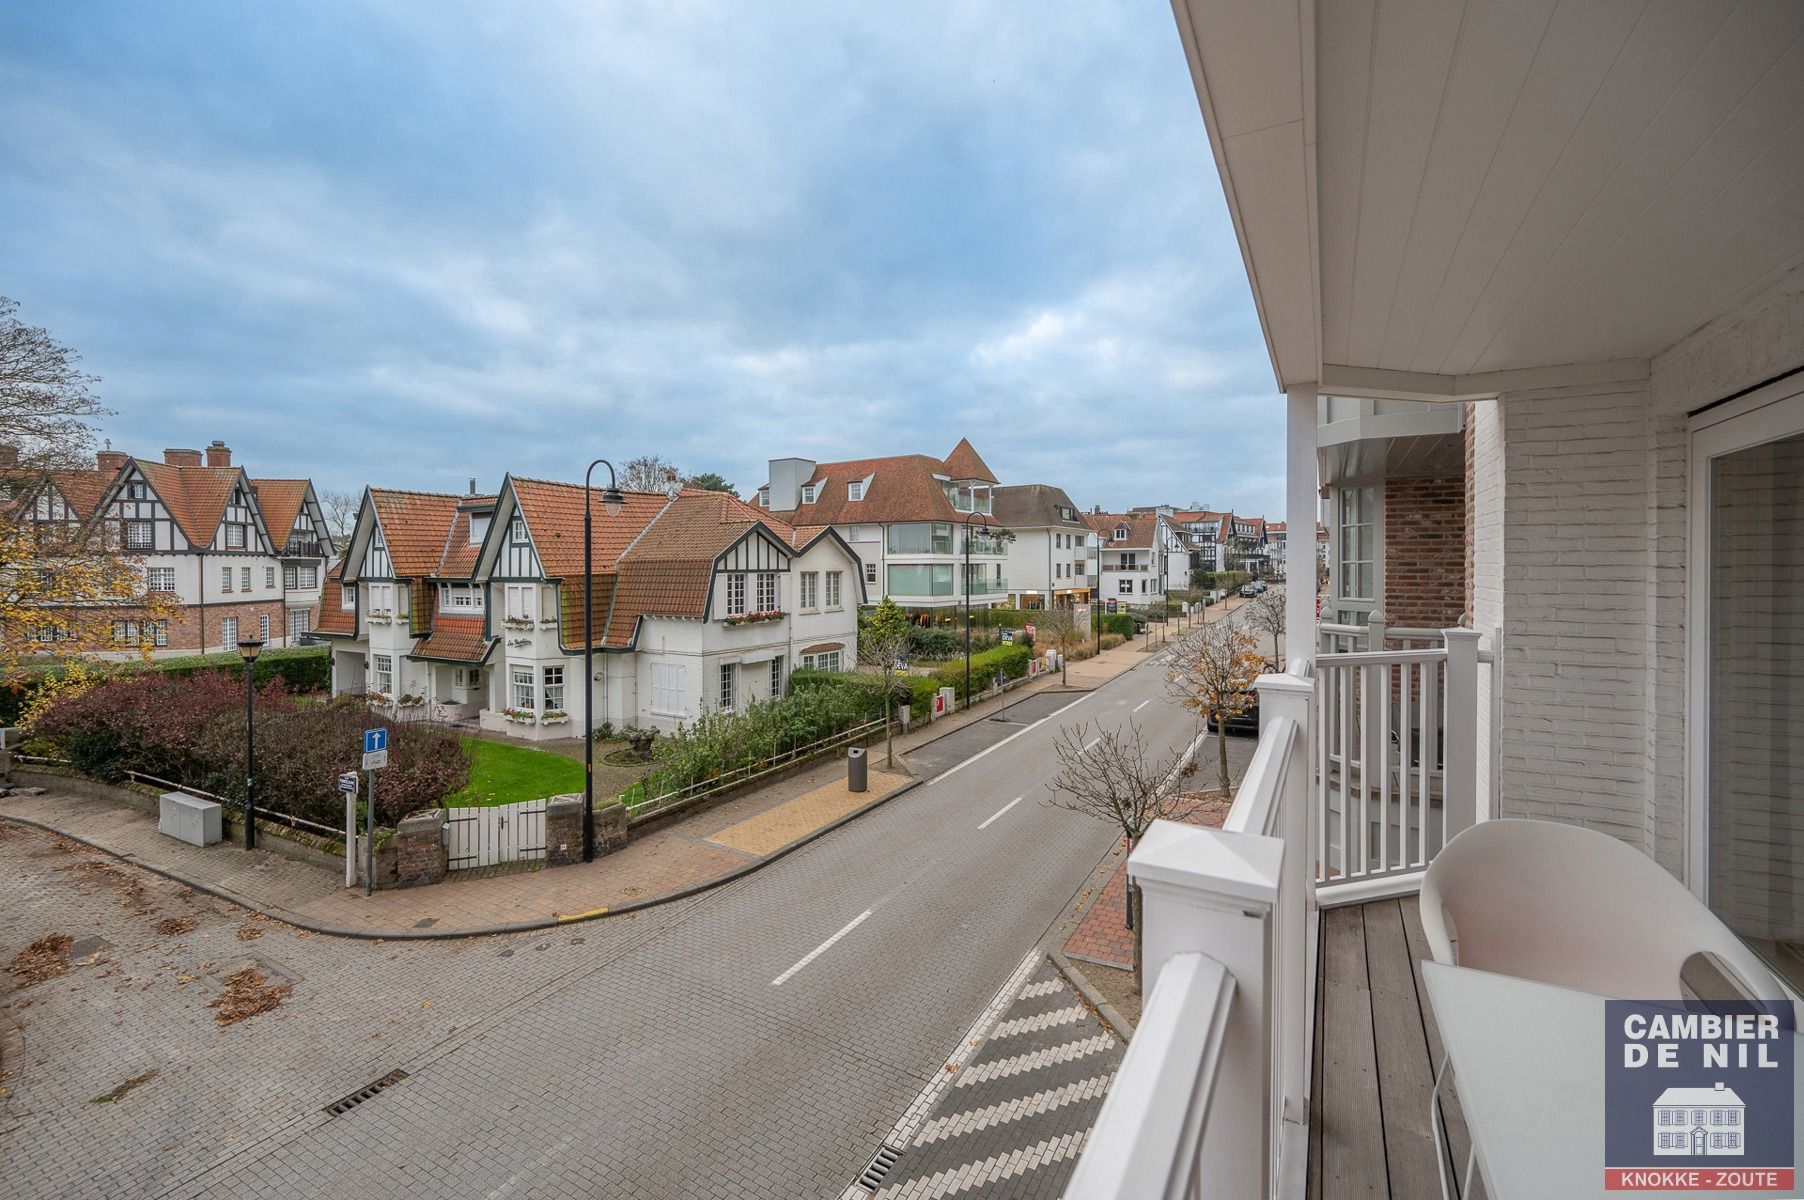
(299, 546)
(1560, 267)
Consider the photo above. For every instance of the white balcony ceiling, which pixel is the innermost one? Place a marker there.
(1457, 189)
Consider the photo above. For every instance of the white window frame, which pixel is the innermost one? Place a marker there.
(140, 535)
(521, 601)
(769, 592)
(870, 573)
(776, 677)
(263, 628)
(234, 535)
(347, 596)
(553, 688)
(810, 592)
(727, 686)
(735, 593)
(1763, 415)
(291, 578)
(297, 624)
(228, 632)
(309, 578)
(855, 490)
(244, 579)
(833, 589)
(518, 678)
(667, 689)
(160, 579)
(269, 577)
(225, 579)
(809, 492)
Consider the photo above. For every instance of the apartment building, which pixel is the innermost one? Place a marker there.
(913, 520)
(1052, 558)
(1135, 552)
(472, 608)
(241, 557)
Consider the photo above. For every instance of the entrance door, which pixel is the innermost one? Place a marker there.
(1747, 709)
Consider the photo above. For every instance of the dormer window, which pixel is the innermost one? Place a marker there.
(136, 491)
(347, 597)
(764, 496)
(809, 491)
(517, 531)
(855, 490)
(1121, 533)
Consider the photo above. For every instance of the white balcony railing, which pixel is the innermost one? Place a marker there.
(1323, 816)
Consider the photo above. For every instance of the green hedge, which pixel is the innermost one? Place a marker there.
(1010, 660)
(1116, 622)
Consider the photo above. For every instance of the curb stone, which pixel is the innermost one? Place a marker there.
(441, 935)
(1118, 1025)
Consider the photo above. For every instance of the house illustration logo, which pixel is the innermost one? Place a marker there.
(1698, 1097)
(1699, 1121)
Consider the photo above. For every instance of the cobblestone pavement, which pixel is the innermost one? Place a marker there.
(1017, 1112)
(758, 1040)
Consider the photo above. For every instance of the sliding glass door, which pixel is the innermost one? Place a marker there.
(1749, 735)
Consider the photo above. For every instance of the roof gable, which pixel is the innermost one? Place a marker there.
(965, 463)
(905, 487)
(414, 527)
(195, 497)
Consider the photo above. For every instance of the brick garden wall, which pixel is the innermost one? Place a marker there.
(1424, 551)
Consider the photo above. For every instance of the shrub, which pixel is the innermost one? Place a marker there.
(718, 742)
(1010, 661)
(300, 668)
(932, 643)
(1118, 623)
(1109, 641)
(190, 731)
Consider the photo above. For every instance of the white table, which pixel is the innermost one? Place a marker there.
(1528, 1069)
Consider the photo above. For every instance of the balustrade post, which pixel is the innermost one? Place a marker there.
(1459, 754)
(1212, 892)
(1292, 694)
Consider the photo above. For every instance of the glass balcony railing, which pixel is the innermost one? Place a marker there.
(987, 545)
(988, 587)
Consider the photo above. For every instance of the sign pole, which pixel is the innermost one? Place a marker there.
(369, 836)
(351, 835)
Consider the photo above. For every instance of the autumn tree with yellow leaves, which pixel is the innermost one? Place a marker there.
(67, 587)
(1212, 673)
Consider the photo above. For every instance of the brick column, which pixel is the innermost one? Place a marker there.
(420, 856)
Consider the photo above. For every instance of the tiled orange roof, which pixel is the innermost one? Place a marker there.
(454, 639)
(965, 463)
(1140, 529)
(458, 561)
(554, 518)
(195, 496)
(280, 500)
(83, 489)
(414, 526)
(902, 488)
(334, 618)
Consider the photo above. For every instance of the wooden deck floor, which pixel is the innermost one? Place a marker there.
(1376, 1049)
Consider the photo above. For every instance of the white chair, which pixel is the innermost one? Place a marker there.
(1575, 908)
(1572, 907)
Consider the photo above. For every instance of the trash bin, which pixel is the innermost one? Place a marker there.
(857, 770)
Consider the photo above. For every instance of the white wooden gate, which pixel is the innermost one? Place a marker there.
(496, 833)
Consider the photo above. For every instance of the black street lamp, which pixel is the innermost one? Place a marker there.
(247, 650)
(984, 524)
(611, 502)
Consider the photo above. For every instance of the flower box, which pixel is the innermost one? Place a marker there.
(753, 618)
(515, 623)
(520, 716)
(554, 717)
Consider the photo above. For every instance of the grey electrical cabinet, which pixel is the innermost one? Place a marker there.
(189, 818)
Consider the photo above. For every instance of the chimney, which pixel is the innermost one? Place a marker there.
(218, 454)
(111, 460)
(9, 455)
(181, 458)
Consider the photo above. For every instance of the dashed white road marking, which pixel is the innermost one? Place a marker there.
(1142, 704)
(1000, 811)
(821, 949)
(1013, 1110)
(1001, 1068)
(1033, 1024)
(1091, 744)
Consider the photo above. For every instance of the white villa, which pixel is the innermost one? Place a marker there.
(1693, 1120)
(472, 608)
(1138, 550)
(1531, 275)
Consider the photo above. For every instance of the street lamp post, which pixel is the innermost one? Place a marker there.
(611, 502)
(247, 650)
(984, 524)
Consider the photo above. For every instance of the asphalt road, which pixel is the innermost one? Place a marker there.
(759, 1040)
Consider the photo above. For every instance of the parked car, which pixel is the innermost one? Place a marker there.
(1245, 722)
(1248, 591)
(1259, 586)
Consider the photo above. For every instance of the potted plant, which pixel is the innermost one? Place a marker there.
(554, 716)
(520, 716)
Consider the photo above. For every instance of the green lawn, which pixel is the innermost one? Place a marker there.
(502, 773)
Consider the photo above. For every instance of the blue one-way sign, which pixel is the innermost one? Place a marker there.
(374, 740)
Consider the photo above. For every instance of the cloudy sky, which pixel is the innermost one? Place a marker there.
(412, 243)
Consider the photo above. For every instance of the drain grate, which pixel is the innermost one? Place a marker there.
(363, 1093)
(879, 1170)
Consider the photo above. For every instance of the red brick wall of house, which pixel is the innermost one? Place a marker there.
(1425, 544)
(185, 623)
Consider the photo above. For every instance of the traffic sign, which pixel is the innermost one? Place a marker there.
(347, 783)
(375, 760)
(375, 739)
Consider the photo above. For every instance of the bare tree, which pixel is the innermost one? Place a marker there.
(1116, 777)
(1266, 614)
(883, 645)
(1212, 673)
(341, 513)
(1054, 627)
(648, 473)
(45, 399)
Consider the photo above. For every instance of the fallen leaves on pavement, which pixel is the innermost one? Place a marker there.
(248, 992)
(122, 1089)
(175, 926)
(44, 959)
